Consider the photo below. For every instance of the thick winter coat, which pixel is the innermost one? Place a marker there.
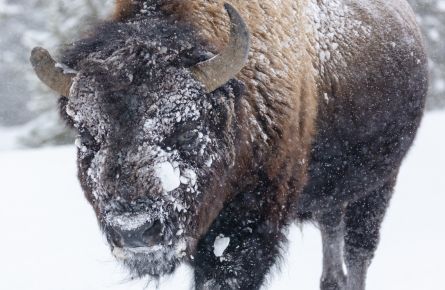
(305, 113)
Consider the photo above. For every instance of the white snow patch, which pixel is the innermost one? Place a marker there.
(168, 175)
(326, 97)
(150, 124)
(220, 245)
(180, 249)
(129, 222)
(65, 69)
(79, 145)
(188, 177)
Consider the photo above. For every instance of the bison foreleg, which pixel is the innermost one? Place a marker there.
(240, 248)
(332, 234)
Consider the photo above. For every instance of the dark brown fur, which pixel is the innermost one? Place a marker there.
(307, 135)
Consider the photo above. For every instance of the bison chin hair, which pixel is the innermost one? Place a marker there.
(148, 262)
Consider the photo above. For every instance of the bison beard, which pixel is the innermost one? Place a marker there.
(179, 150)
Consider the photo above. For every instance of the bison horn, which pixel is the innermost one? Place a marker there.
(50, 73)
(216, 71)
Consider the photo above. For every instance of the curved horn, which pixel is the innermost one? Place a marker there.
(49, 73)
(216, 71)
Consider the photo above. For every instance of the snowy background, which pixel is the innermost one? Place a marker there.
(50, 239)
(29, 107)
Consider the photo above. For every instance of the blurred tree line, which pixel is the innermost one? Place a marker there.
(25, 24)
(431, 17)
(51, 23)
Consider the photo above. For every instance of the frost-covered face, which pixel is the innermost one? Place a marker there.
(149, 141)
(154, 111)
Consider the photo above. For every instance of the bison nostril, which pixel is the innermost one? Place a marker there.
(153, 234)
(149, 234)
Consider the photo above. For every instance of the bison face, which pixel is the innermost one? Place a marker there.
(146, 153)
(156, 133)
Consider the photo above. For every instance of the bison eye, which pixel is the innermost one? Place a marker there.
(88, 140)
(187, 138)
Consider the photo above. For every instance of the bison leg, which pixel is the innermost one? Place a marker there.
(332, 234)
(363, 219)
(250, 245)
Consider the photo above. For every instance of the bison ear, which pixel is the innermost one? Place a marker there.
(233, 88)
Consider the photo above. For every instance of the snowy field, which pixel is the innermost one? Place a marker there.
(50, 240)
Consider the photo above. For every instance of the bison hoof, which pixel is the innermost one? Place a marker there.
(337, 282)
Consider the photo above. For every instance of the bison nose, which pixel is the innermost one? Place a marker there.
(147, 235)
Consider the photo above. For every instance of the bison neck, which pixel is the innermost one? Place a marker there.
(276, 115)
(279, 106)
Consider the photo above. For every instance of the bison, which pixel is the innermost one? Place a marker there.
(203, 134)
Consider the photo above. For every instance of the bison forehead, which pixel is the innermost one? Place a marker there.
(153, 106)
(175, 112)
(134, 158)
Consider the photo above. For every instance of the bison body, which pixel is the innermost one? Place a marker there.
(177, 159)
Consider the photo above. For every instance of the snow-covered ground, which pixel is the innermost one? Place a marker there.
(49, 239)
(9, 137)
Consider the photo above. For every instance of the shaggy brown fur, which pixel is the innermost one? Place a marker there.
(123, 9)
(287, 115)
(270, 73)
(314, 126)
(278, 116)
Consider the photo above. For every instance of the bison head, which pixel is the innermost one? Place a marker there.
(153, 130)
